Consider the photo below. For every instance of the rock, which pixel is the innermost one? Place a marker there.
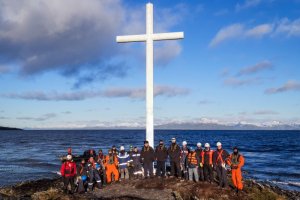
(149, 189)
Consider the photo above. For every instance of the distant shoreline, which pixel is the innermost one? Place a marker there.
(140, 129)
(2, 128)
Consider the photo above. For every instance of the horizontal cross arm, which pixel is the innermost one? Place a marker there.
(132, 38)
(168, 36)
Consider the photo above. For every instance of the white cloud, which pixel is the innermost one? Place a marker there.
(291, 85)
(132, 93)
(73, 36)
(235, 31)
(235, 82)
(288, 27)
(263, 65)
(265, 112)
(247, 4)
(226, 33)
(44, 117)
(259, 31)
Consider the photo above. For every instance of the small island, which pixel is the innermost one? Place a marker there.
(2, 128)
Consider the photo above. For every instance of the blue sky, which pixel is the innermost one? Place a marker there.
(60, 66)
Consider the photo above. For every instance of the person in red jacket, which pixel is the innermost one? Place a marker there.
(68, 172)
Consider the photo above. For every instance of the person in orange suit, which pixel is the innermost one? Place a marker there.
(111, 166)
(236, 162)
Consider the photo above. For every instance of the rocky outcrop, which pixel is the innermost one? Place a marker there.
(148, 189)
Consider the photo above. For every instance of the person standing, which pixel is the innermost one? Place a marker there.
(207, 163)
(236, 161)
(199, 151)
(147, 157)
(111, 166)
(183, 160)
(130, 166)
(68, 172)
(136, 163)
(100, 161)
(82, 176)
(193, 164)
(219, 161)
(115, 150)
(174, 155)
(161, 155)
(124, 159)
(93, 174)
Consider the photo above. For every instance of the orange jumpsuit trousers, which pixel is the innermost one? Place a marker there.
(236, 174)
(111, 168)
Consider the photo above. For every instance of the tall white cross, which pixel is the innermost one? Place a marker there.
(149, 37)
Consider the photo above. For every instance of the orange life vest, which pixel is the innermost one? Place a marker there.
(192, 158)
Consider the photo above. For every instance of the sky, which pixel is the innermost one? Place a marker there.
(60, 65)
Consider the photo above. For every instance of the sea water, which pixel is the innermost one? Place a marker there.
(270, 156)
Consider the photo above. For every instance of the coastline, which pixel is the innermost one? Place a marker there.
(147, 189)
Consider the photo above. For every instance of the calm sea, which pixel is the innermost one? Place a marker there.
(271, 156)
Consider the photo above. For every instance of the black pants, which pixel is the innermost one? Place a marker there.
(94, 176)
(103, 176)
(200, 172)
(148, 168)
(161, 168)
(67, 181)
(222, 176)
(175, 168)
(208, 173)
(81, 187)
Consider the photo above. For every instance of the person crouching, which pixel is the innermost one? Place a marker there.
(68, 172)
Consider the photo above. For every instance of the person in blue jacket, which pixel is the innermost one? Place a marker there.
(124, 159)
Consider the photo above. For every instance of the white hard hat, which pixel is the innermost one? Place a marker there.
(122, 148)
(199, 144)
(219, 144)
(207, 145)
(69, 157)
(184, 143)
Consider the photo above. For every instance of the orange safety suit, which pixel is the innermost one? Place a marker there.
(236, 162)
(111, 165)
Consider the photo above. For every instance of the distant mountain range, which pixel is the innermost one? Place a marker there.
(8, 128)
(238, 126)
(195, 125)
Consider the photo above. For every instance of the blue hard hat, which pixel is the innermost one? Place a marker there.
(83, 178)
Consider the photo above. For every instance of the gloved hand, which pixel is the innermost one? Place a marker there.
(201, 165)
(223, 165)
(214, 167)
(234, 166)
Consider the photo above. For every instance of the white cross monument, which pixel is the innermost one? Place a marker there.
(149, 37)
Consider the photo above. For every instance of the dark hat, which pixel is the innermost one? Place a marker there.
(235, 148)
(146, 142)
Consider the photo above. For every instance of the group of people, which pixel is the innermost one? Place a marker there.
(186, 163)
